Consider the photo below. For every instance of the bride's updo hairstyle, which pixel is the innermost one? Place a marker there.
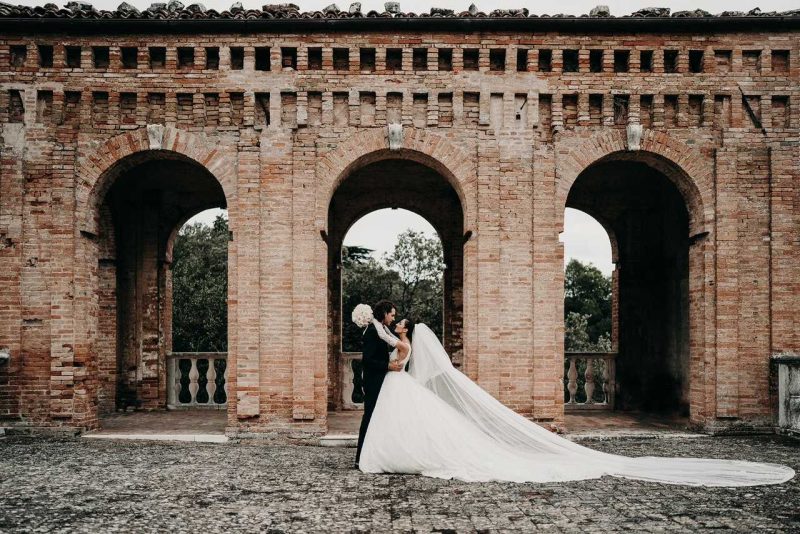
(410, 323)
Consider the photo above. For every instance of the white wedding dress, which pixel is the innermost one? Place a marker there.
(434, 421)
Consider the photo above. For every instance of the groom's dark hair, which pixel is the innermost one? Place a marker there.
(381, 309)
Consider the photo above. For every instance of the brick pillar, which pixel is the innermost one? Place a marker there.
(309, 291)
(12, 224)
(488, 298)
(515, 320)
(72, 391)
(753, 178)
(275, 320)
(246, 235)
(548, 290)
(727, 283)
(701, 331)
(454, 295)
(102, 332)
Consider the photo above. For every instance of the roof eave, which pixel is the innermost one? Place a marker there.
(461, 24)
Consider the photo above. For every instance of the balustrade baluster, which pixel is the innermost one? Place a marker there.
(173, 382)
(588, 386)
(211, 375)
(225, 385)
(194, 374)
(572, 380)
(605, 381)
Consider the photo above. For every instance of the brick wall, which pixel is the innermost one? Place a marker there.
(509, 120)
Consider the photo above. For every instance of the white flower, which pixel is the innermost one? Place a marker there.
(362, 315)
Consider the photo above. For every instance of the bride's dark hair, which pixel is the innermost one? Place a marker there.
(410, 323)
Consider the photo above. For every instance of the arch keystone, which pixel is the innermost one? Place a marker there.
(155, 136)
(394, 136)
(633, 136)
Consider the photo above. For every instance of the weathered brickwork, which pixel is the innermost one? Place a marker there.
(681, 138)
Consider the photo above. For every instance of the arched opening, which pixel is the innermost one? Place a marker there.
(639, 202)
(590, 311)
(392, 254)
(408, 185)
(144, 201)
(197, 291)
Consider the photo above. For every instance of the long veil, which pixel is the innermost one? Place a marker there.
(430, 365)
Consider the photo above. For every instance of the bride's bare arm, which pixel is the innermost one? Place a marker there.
(384, 335)
(402, 349)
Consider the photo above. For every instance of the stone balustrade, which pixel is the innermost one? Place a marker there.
(197, 380)
(589, 378)
(594, 390)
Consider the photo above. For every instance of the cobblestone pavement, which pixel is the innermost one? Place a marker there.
(104, 486)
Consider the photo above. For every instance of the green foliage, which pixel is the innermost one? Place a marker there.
(352, 256)
(419, 262)
(576, 335)
(587, 322)
(411, 277)
(587, 308)
(200, 288)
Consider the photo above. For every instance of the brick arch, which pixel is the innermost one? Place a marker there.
(688, 169)
(426, 148)
(99, 169)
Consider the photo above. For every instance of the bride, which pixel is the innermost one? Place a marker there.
(434, 421)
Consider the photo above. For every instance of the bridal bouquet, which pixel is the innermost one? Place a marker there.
(362, 315)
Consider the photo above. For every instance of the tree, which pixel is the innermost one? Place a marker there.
(411, 276)
(576, 335)
(419, 263)
(587, 293)
(200, 288)
(352, 256)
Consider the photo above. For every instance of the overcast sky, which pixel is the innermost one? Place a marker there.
(569, 7)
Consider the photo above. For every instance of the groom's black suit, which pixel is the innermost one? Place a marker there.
(375, 362)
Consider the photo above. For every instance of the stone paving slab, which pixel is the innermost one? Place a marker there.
(81, 485)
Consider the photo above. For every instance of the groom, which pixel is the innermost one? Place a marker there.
(375, 363)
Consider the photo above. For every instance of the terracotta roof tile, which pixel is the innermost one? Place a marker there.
(176, 10)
